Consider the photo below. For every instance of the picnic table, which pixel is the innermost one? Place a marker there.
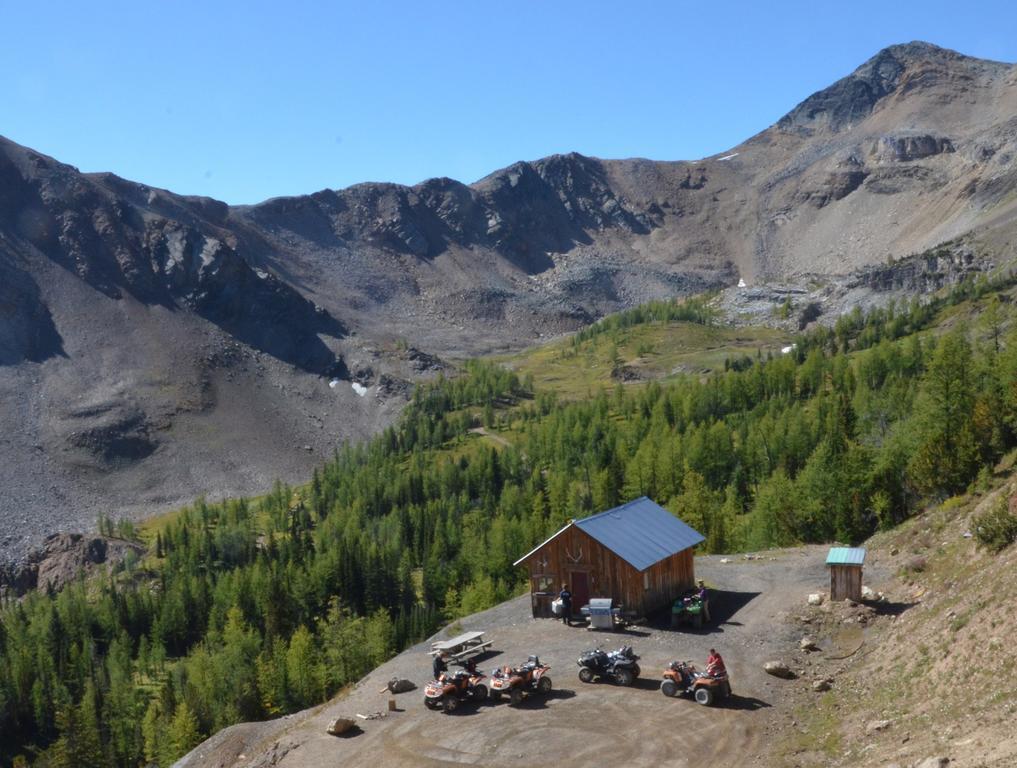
(462, 646)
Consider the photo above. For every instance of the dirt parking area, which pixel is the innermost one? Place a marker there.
(577, 724)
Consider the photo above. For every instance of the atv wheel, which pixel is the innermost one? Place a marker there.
(624, 677)
(544, 685)
(516, 697)
(450, 703)
(430, 703)
(480, 692)
(635, 670)
(494, 695)
(669, 688)
(704, 696)
(586, 674)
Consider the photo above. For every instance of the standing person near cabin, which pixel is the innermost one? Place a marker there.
(438, 664)
(704, 599)
(566, 604)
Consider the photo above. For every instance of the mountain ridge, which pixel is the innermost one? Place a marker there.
(143, 331)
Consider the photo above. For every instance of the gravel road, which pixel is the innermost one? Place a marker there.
(578, 724)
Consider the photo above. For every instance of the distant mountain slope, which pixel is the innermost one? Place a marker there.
(154, 346)
(913, 148)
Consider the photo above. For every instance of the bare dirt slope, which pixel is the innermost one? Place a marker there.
(596, 724)
(936, 675)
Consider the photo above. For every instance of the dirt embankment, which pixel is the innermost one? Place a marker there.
(936, 676)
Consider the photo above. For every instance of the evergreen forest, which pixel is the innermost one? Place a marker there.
(251, 608)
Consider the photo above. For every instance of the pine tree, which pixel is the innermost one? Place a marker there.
(270, 669)
(90, 751)
(184, 733)
(947, 456)
(303, 671)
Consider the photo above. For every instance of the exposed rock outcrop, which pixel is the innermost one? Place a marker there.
(65, 556)
(907, 148)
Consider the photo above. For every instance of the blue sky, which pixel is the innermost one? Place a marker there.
(247, 100)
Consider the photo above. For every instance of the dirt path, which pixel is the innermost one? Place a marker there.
(496, 438)
(579, 724)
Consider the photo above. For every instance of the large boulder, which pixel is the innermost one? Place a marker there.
(341, 725)
(778, 669)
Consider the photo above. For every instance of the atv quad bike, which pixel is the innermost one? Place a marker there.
(620, 665)
(681, 678)
(451, 688)
(517, 682)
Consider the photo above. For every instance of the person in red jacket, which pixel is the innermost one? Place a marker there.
(715, 664)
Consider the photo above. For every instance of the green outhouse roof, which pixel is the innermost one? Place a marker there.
(846, 556)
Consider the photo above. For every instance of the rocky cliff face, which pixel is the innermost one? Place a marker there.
(153, 346)
(62, 558)
(125, 239)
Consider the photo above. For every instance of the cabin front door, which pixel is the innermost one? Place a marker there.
(580, 590)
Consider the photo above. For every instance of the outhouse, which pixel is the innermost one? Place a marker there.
(845, 565)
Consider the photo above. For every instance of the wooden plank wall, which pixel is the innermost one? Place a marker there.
(846, 582)
(609, 575)
(667, 579)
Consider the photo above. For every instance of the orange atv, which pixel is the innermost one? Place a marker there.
(520, 681)
(683, 679)
(451, 688)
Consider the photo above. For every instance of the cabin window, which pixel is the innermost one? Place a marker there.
(544, 583)
(646, 581)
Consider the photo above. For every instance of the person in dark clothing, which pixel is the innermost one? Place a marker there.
(566, 604)
(438, 664)
(704, 597)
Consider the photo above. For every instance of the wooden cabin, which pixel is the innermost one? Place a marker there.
(846, 573)
(638, 554)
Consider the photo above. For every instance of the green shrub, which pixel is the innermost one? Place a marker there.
(996, 529)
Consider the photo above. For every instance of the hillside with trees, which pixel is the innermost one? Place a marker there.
(250, 608)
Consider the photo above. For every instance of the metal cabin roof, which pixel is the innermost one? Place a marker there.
(641, 532)
(846, 556)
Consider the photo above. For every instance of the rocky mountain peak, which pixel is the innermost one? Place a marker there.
(906, 67)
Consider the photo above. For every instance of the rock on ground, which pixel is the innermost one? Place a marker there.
(401, 685)
(778, 669)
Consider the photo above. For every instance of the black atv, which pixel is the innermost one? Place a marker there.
(620, 666)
